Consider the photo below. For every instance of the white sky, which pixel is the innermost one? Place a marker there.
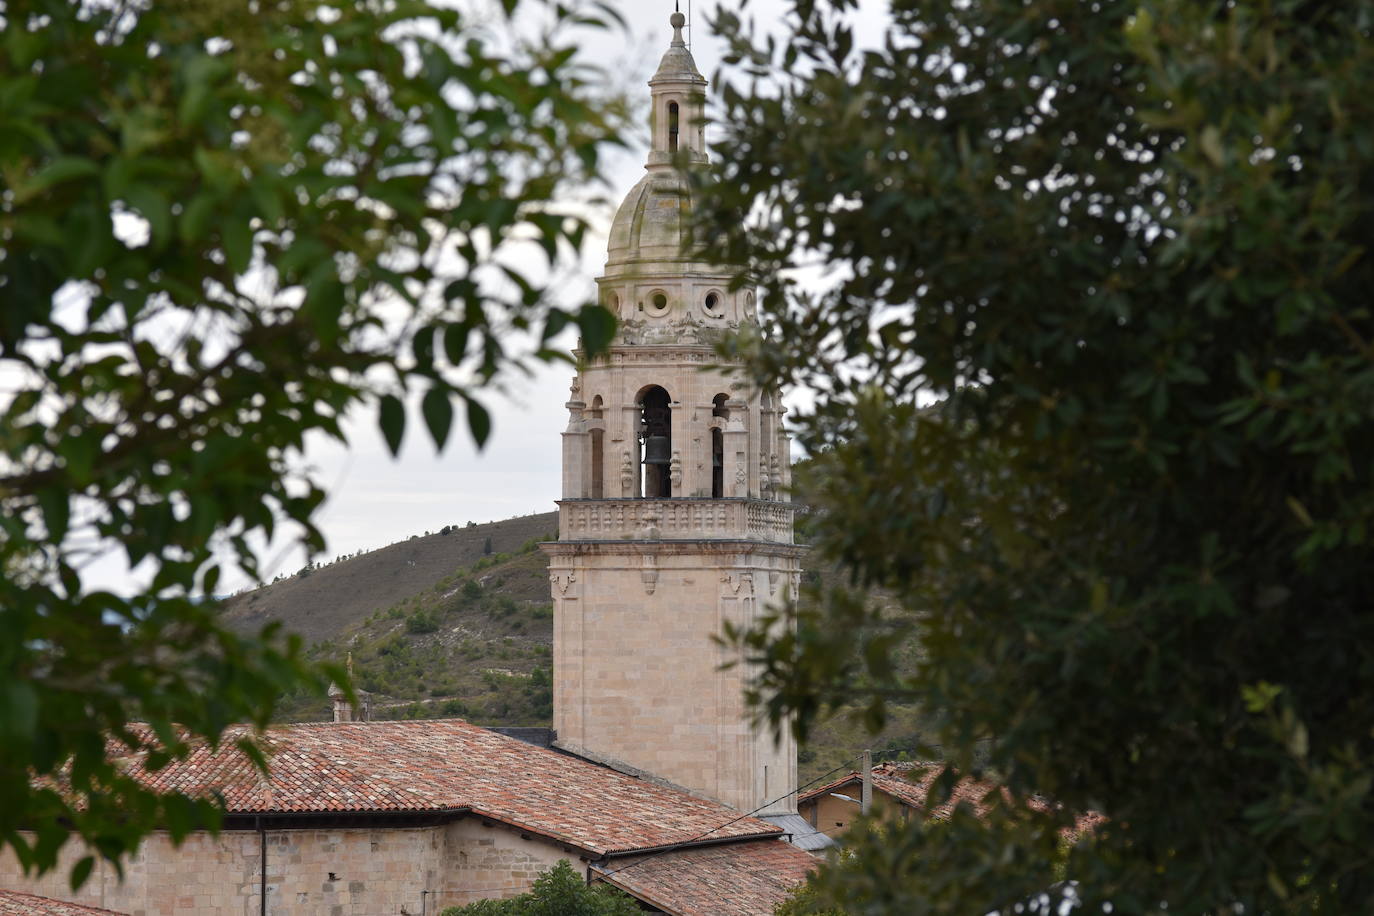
(375, 500)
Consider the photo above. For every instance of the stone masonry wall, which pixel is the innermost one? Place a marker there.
(338, 872)
(493, 862)
(637, 673)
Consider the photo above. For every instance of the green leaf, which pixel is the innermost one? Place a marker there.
(479, 422)
(81, 872)
(238, 243)
(56, 511)
(18, 711)
(455, 343)
(152, 205)
(392, 418)
(58, 171)
(598, 325)
(195, 218)
(438, 412)
(556, 321)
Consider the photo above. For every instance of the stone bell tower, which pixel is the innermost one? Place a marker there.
(674, 518)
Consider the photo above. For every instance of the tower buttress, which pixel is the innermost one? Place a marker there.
(674, 519)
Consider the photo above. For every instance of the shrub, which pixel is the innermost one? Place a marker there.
(421, 622)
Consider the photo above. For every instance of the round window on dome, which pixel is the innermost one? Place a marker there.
(713, 304)
(658, 303)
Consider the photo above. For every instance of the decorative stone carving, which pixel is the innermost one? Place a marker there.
(675, 471)
(738, 585)
(649, 574)
(627, 474)
(563, 581)
(651, 516)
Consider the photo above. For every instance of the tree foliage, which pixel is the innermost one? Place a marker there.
(557, 892)
(1094, 360)
(222, 227)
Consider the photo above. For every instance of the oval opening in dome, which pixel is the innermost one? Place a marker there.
(713, 303)
(660, 302)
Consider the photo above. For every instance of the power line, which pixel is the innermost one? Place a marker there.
(702, 836)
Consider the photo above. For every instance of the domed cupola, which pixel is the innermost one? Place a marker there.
(652, 222)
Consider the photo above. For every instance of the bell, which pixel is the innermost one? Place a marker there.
(656, 450)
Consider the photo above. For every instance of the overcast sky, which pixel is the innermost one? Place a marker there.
(375, 500)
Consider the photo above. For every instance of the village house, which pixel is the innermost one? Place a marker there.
(411, 817)
(899, 792)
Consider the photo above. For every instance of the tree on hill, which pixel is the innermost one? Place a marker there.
(557, 892)
(222, 227)
(1095, 395)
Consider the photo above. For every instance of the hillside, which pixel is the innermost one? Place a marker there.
(320, 603)
(438, 626)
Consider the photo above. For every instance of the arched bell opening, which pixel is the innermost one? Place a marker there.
(672, 127)
(717, 464)
(598, 488)
(597, 429)
(718, 411)
(656, 443)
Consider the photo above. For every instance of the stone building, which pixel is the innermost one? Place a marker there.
(675, 518)
(370, 818)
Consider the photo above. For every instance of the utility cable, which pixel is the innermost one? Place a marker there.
(701, 836)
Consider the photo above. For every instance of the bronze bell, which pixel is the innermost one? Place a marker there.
(656, 450)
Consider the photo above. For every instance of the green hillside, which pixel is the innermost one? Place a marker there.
(460, 623)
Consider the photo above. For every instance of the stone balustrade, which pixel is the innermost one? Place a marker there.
(674, 519)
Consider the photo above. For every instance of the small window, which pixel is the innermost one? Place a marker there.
(672, 127)
(658, 303)
(713, 303)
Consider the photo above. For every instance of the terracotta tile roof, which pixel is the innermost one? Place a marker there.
(13, 903)
(910, 783)
(446, 765)
(742, 879)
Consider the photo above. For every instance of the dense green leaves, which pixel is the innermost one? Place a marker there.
(560, 891)
(1096, 397)
(223, 226)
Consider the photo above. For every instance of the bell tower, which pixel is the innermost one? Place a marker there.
(674, 518)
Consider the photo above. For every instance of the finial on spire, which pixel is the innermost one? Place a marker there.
(677, 21)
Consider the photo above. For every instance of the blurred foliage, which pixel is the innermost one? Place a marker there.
(1094, 364)
(560, 891)
(223, 226)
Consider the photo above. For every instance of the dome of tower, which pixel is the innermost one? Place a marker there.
(677, 63)
(653, 222)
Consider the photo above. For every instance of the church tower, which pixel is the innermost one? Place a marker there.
(674, 518)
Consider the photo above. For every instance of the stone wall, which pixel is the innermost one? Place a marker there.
(492, 862)
(637, 672)
(327, 872)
